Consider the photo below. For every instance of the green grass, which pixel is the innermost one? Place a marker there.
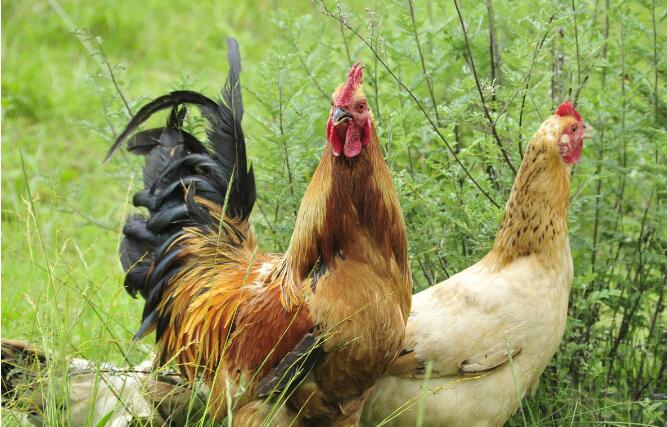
(61, 280)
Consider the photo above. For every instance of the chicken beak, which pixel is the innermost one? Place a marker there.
(340, 115)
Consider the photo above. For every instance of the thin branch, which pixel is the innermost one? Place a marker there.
(493, 44)
(639, 388)
(581, 87)
(535, 107)
(526, 80)
(605, 46)
(538, 46)
(370, 17)
(71, 210)
(328, 13)
(628, 314)
(598, 196)
(428, 274)
(655, 71)
(405, 128)
(283, 138)
(589, 69)
(112, 75)
(342, 34)
(266, 219)
(107, 115)
(598, 191)
(423, 63)
(576, 40)
(552, 86)
(376, 89)
(429, 14)
(494, 131)
(495, 77)
(624, 143)
(94, 51)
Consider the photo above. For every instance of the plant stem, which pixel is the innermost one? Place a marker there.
(283, 138)
(576, 41)
(526, 79)
(429, 84)
(598, 190)
(102, 61)
(494, 131)
(655, 74)
(493, 45)
(347, 48)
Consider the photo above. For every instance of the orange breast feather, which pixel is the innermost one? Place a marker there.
(226, 317)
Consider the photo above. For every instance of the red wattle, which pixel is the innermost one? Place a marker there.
(352, 141)
(333, 138)
(366, 133)
(576, 143)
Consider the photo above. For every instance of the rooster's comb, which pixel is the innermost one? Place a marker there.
(354, 79)
(567, 109)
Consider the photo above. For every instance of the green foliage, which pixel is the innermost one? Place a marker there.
(62, 211)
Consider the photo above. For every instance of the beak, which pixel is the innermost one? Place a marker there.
(339, 116)
(588, 129)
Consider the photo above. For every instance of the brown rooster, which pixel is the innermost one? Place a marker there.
(317, 325)
(479, 341)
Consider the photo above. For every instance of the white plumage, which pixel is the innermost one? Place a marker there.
(471, 323)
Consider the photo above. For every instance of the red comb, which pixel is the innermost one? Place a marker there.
(567, 109)
(354, 78)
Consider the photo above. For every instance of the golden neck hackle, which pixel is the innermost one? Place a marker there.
(535, 221)
(347, 199)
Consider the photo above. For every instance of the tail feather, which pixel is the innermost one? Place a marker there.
(207, 106)
(184, 179)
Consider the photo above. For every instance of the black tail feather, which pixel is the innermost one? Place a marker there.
(179, 167)
(174, 99)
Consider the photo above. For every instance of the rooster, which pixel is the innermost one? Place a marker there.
(479, 341)
(317, 325)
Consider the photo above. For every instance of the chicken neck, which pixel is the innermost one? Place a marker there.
(535, 221)
(348, 203)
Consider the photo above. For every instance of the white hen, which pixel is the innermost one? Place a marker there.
(488, 332)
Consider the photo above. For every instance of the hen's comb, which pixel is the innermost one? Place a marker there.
(567, 109)
(354, 79)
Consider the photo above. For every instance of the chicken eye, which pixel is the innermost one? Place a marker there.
(360, 107)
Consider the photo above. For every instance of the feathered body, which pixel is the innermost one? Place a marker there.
(320, 323)
(96, 394)
(479, 341)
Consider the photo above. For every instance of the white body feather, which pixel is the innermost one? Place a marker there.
(522, 307)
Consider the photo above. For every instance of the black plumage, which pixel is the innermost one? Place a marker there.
(179, 170)
(293, 368)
